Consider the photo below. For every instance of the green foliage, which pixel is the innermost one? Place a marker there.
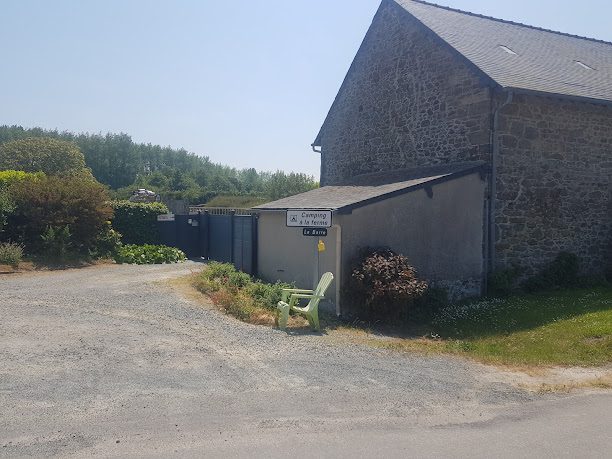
(562, 272)
(43, 154)
(107, 243)
(218, 272)
(56, 243)
(148, 254)
(428, 305)
(115, 160)
(10, 254)
(566, 327)
(280, 185)
(7, 207)
(384, 285)
(266, 295)
(235, 202)
(137, 221)
(56, 202)
(240, 294)
(502, 282)
(9, 177)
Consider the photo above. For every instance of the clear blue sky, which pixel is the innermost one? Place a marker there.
(247, 83)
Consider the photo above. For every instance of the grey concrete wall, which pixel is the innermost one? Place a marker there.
(554, 187)
(442, 236)
(285, 254)
(406, 101)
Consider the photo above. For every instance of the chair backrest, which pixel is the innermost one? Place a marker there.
(324, 283)
(319, 292)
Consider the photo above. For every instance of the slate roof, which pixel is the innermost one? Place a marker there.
(366, 189)
(545, 61)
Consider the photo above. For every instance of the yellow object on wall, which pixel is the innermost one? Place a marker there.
(321, 246)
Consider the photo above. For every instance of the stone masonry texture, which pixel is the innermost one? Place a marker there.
(409, 100)
(554, 182)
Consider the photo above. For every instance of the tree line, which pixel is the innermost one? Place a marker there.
(117, 161)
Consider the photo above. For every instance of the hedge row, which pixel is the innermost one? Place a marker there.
(137, 221)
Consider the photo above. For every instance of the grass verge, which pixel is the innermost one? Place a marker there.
(569, 327)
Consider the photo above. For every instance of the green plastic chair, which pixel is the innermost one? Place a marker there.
(292, 296)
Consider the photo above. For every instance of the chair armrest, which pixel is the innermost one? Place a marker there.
(288, 291)
(301, 296)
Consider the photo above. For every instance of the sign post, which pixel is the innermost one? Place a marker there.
(314, 223)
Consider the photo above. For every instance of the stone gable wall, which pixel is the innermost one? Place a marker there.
(407, 101)
(554, 186)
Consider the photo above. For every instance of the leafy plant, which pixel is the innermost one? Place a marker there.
(384, 284)
(11, 254)
(7, 207)
(563, 271)
(57, 243)
(107, 243)
(502, 282)
(148, 254)
(137, 221)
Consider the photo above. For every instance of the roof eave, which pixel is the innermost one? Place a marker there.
(348, 208)
(556, 95)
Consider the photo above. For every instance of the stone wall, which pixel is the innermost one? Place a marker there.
(410, 101)
(554, 187)
(406, 101)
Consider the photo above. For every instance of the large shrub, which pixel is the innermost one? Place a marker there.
(41, 154)
(384, 285)
(137, 221)
(8, 178)
(77, 202)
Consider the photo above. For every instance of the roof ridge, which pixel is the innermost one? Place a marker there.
(505, 21)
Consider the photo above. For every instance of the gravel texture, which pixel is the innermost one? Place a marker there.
(111, 361)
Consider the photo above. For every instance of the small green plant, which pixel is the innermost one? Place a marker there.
(56, 243)
(562, 272)
(107, 244)
(503, 282)
(11, 254)
(148, 254)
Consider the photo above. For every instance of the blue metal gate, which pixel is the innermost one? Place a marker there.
(227, 238)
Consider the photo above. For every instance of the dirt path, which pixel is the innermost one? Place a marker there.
(110, 361)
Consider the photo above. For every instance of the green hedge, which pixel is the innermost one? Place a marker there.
(137, 221)
(149, 254)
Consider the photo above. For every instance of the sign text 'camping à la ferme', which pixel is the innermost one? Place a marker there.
(309, 218)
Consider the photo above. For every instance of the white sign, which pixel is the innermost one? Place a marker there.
(309, 218)
(165, 218)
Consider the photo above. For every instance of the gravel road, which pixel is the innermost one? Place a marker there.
(110, 361)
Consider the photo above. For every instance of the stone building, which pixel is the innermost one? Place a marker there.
(529, 109)
(433, 85)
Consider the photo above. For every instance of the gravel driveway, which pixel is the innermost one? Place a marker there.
(109, 361)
